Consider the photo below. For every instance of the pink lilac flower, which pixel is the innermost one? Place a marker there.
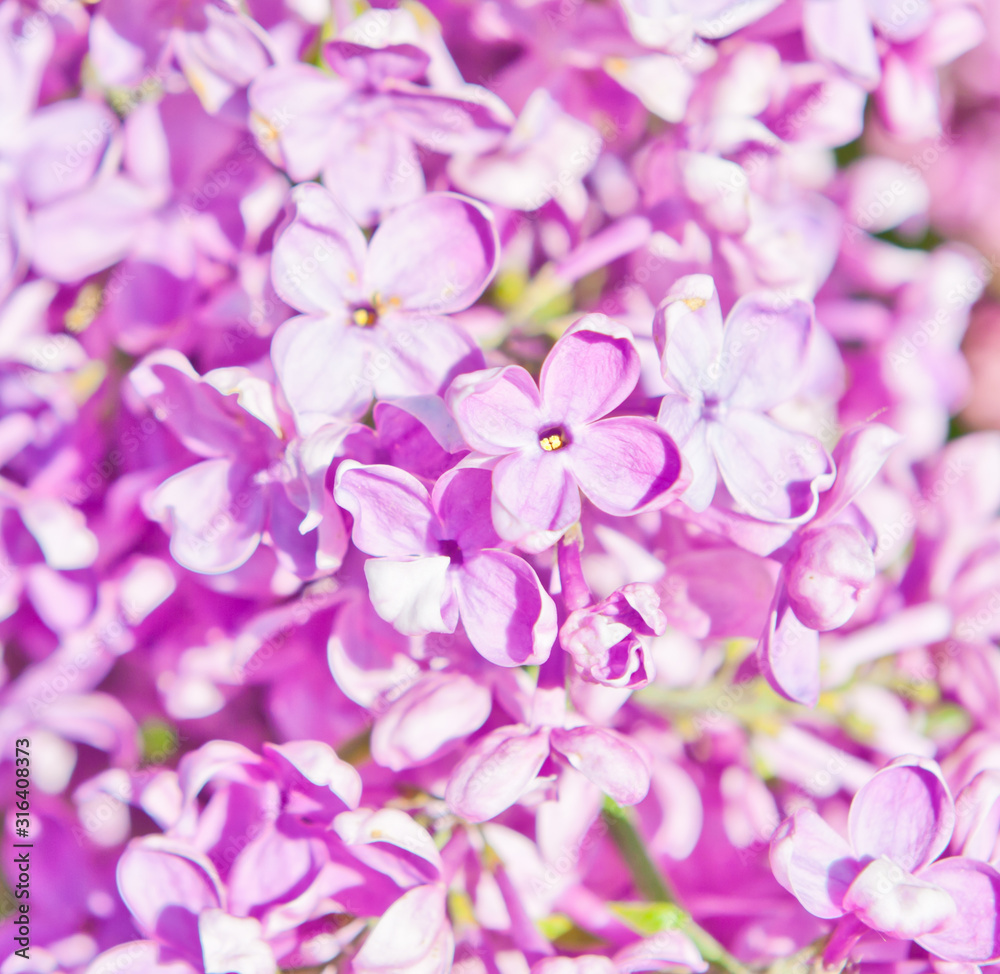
(727, 378)
(439, 559)
(375, 312)
(889, 876)
(551, 439)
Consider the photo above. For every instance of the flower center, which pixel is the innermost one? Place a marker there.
(365, 316)
(713, 408)
(553, 439)
(450, 549)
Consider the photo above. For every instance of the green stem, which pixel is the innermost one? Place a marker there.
(653, 885)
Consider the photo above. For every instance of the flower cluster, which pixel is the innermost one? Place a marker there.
(500, 487)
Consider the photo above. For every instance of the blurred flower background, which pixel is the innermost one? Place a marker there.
(509, 487)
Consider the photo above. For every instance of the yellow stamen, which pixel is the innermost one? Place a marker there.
(694, 303)
(363, 317)
(552, 442)
(88, 303)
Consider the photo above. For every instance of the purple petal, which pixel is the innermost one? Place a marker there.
(973, 935)
(788, 654)
(390, 841)
(414, 594)
(607, 759)
(418, 353)
(497, 771)
(841, 32)
(813, 863)
(442, 709)
(204, 419)
(316, 765)
(317, 261)
(304, 137)
(497, 410)
(323, 367)
(977, 809)
(891, 900)
(688, 333)
(141, 957)
(682, 419)
(272, 866)
(214, 513)
(765, 351)
(772, 473)
(462, 498)
(538, 489)
(508, 616)
(827, 575)
(668, 948)
(626, 464)
(234, 944)
(722, 593)
(437, 253)
(391, 509)
(86, 232)
(590, 371)
(413, 935)
(165, 884)
(858, 457)
(905, 813)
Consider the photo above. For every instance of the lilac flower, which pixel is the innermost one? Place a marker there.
(374, 317)
(889, 876)
(551, 439)
(439, 559)
(604, 639)
(727, 379)
(828, 564)
(502, 766)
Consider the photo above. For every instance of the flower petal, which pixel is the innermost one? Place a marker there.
(973, 934)
(441, 710)
(788, 654)
(813, 863)
(765, 350)
(391, 509)
(437, 253)
(165, 885)
(418, 353)
(625, 464)
(318, 258)
(891, 900)
(414, 594)
(497, 410)
(462, 498)
(322, 365)
(537, 489)
(214, 513)
(412, 936)
(590, 371)
(508, 616)
(607, 759)
(688, 333)
(496, 772)
(904, 812)
(772, 473)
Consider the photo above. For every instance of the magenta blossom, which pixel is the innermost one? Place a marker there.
(604, 639)
(375, 311)
(889, 877)
(726, 379)
(552, 439)
(438, 559)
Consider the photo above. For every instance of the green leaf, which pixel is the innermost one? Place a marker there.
(562, 932)
(647, 919)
